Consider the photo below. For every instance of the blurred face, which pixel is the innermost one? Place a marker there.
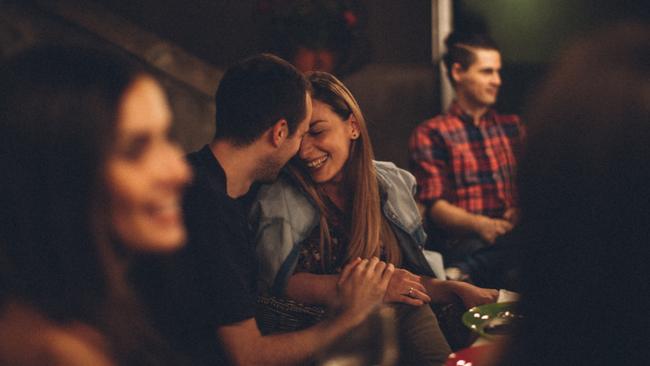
(272, 165)
(314, 60)
(146, 172)
(479, 84)
(326, 147)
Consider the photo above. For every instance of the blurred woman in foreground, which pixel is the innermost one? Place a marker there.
(89, 175)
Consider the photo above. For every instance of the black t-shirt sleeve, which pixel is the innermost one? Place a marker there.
(218, 262)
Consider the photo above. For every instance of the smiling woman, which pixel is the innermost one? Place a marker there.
(89, 177)
(325, 149)
(145, 172)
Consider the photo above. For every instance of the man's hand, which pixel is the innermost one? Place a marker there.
(407, 288)
(362, 287)
(489, 229)
(460, 222)
(512, 215)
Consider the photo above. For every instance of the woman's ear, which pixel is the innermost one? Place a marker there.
(355, 131)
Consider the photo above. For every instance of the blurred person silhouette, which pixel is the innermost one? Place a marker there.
(90, 176)
(585, 193)
(316, 35)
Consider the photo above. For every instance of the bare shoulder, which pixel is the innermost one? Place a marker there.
(76, 345)
(27, 338)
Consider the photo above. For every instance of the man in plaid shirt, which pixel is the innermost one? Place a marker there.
(465, 160)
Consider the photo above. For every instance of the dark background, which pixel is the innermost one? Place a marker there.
(189, 43)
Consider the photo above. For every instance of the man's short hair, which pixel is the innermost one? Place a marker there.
(256, 93)
(460, 49)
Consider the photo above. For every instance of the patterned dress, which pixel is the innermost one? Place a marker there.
(310, 256)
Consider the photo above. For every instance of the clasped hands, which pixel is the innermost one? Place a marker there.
(361, 287)
(369, 282)
(489, 229)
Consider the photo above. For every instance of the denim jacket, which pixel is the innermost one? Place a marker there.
(283, 216)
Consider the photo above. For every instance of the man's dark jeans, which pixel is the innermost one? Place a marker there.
(488, 265)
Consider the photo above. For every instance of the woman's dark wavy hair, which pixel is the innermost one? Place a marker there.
(58, 116)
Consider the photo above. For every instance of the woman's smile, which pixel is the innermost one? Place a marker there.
(167, 212)
(317, 163)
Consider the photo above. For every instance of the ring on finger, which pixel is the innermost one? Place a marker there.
(410, 293)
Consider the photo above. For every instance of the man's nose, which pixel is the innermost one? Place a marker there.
(496, 79)
(305, 147)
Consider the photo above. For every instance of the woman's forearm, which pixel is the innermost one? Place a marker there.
(438, 290)
(444, 292)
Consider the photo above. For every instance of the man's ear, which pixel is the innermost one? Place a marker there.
(456, 71)
(279, 132)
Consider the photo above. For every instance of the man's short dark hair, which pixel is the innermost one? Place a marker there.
(460, 49)
(254, 94)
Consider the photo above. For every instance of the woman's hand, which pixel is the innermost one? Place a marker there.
(407, 288)
(471, 295)
(447, 291)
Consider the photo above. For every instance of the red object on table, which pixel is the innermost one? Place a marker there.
(473, 356)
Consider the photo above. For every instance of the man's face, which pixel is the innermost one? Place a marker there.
(292, 143)
(272, 165)
(479, 84)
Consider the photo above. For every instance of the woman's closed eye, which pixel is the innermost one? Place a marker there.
(317, 127)
(135, 148)
(172, 137)
(317, 131)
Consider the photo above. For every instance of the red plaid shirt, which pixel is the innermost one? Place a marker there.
(472, 167)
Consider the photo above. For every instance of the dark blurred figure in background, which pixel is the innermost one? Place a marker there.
(89, 177)
(584, 186)
(315, 35)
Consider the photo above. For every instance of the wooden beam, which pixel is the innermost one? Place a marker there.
(159, 53)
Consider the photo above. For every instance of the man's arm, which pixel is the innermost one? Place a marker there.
(361, 288)
(309, 288)
(455, 219)
(246, 346)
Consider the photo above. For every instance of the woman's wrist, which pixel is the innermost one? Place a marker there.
(440, 291)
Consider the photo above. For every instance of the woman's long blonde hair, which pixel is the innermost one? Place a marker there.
(369, 229)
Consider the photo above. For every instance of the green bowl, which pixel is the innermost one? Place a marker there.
(492, 320)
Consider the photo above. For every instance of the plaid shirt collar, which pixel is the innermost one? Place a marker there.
(456, 111)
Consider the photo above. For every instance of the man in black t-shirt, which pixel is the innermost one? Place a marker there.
(203, 298)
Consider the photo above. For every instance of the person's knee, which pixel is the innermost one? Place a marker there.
(421, 340)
